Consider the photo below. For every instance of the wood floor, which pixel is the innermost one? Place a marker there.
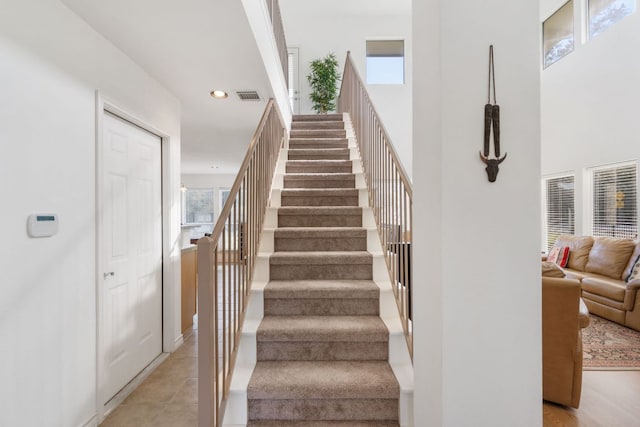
(609, 399)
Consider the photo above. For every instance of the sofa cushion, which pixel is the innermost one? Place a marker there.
(609, 256)
(551, 269)
(608, 288)
(579, 247)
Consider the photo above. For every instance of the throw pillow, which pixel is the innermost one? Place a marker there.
(563, 257)
(635, 271)
(551, 269)
(553, 254)
(559, 255)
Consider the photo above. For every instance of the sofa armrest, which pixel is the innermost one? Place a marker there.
(584, 315)
(561, 342)
(630, 294)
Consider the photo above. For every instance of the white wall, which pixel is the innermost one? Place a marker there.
(52, 63)
(477, 335)
(318, 34)
(590, 104)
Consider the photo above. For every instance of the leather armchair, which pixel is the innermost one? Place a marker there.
(563, 317)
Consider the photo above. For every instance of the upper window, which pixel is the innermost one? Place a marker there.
(559, 208)
(615, 201)
(198, 209)
(605, 13)
(558, 35)
(385, 61)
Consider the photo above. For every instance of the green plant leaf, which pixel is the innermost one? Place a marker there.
(323, 80)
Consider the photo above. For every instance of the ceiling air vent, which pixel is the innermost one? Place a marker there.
(248, 95)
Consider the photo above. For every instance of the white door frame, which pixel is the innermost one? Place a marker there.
(170, 266)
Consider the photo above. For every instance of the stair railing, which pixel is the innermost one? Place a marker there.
(389, 187)
(278, 32)
(226, 263)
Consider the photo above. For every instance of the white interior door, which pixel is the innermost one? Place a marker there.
(294, 80)
(131, 294)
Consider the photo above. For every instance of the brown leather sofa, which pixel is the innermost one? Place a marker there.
(562, 321)
(602, 264)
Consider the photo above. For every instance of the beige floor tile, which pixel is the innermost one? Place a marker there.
(178, 415)
(187, 394)
(168, 397)
(133, 415)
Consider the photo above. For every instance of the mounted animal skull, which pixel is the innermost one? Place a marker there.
(492, 166)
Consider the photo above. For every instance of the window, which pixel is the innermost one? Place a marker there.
(224, 195)
(385, 62)
(614, 201)
(605, 13)
(198, 210)
(559, 208)
(557, 34)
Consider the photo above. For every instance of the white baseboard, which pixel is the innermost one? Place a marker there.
(93, 422)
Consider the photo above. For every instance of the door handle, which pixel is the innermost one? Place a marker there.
(111, 273)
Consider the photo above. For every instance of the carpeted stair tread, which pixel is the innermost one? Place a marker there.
(320, 154)
(320, 210)
(315, 232)
(321, 289)
(319, 180)
(318, 175)
(318, 133)
(322, 380)
(321, 258)
(324, 239)
(332, 423)
(319, 216)
(317, 140)
(319, 192)
(322, 328)
(319, 166)
(315, 124)
(319, 197)
(317, 117)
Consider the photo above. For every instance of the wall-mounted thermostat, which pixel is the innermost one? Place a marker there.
(42, 225)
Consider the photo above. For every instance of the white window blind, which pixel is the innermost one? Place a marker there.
(615, 201)
(560, 208)
(385, 61)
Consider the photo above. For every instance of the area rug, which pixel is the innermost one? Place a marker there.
(609, 346)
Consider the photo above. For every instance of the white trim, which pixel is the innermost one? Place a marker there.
(169, 265)
(92, 422)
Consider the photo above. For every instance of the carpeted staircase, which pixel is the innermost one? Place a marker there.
(322, 349)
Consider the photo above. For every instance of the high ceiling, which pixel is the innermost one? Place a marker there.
(194, 46)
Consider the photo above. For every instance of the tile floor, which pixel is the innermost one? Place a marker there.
(168, 397)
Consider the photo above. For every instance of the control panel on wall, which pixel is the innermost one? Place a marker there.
(42, 225)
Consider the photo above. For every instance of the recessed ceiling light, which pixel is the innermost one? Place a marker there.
(219, 94)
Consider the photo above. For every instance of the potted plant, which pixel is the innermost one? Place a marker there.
(324, 83)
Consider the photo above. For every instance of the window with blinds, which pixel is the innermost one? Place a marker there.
(385, 61)
(615, 201)
(560, 208)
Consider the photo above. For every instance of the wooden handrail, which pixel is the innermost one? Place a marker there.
(226, 263)
(389, 188)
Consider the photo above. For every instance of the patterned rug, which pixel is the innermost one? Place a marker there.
(609, 346)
